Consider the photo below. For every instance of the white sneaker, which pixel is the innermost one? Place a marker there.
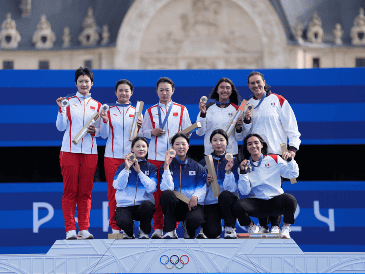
(252, 229)
(263, 229)
(175, 234)
(71, 235)
(186, 234)
(169, 235)
(201, 234)
(229, 233)
(85, 235)
(275, 229)
(125, 236)
(115, 231)
(157, 234)
(142, 235)
(285, 229)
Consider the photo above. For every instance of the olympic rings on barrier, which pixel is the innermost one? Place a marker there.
(174, 263)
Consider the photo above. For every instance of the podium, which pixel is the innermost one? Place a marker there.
(180, 255)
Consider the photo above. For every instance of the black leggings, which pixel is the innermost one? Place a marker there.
(284, 204)
(213, 215)
(176, 210)
(124, 217)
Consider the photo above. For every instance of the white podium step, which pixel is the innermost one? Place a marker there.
(188, 256)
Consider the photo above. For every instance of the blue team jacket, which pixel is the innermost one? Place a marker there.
(132, 188)
(225, 181)
(189, 178)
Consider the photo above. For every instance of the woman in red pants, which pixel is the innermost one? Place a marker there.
(78, 162)
(116, 126)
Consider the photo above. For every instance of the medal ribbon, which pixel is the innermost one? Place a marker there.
(252, 164)
(162, 124)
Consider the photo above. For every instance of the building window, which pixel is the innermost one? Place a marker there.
(360, 62)
(43, 64)
(316, 63)
(8, 65)
(89, 64)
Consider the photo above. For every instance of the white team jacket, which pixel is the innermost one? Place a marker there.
(117, 131)
(219, 118)
(265, 181)
(178, 120)
(275, 122)
(77, 115)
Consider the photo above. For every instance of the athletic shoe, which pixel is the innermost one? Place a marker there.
(186, 234)
(85, 235)
(126, 237)
(201, 234)
(285, 229)
(263, 229)
(142, 235)
(252, 229)
(275, 229)
(175, 234)
(116, 231)
(229, 233)
(157, 234)
(71, 235)
(169, 235)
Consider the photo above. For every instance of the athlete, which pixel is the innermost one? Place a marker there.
(116, 126)
(78, 162)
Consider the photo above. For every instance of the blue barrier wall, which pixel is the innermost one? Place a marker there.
(328, 103)
(329, 217)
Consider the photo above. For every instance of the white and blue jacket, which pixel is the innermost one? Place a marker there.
(132, 188)
(188, 177)
(225, 181)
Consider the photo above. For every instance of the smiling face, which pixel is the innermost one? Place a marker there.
(181, 147)
(256, 85)
(164, 92)
(140, 149)
(219, 144)
(254, 147)
(84, 84)
(224, 91)
(123, 93)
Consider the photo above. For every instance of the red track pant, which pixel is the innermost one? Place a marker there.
(158, 219)
(111, 165)
(78, 171)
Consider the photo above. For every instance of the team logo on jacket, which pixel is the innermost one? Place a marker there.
(147, 172)
(191, 173)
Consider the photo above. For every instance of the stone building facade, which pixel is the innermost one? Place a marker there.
(182, 34)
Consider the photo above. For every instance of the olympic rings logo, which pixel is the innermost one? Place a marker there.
(179, 263)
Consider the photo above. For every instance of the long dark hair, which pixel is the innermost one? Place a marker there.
(246, 154)
(235, 98)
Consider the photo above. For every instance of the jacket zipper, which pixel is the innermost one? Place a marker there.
(135, 197)
(180, 178)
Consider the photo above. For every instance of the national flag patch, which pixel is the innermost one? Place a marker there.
(273, 104)
(230, 114)
(175, 114)
(191, 173)
(91, 107)
(115, 114)
(147, 172)
(131, 115)
(267, 165)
